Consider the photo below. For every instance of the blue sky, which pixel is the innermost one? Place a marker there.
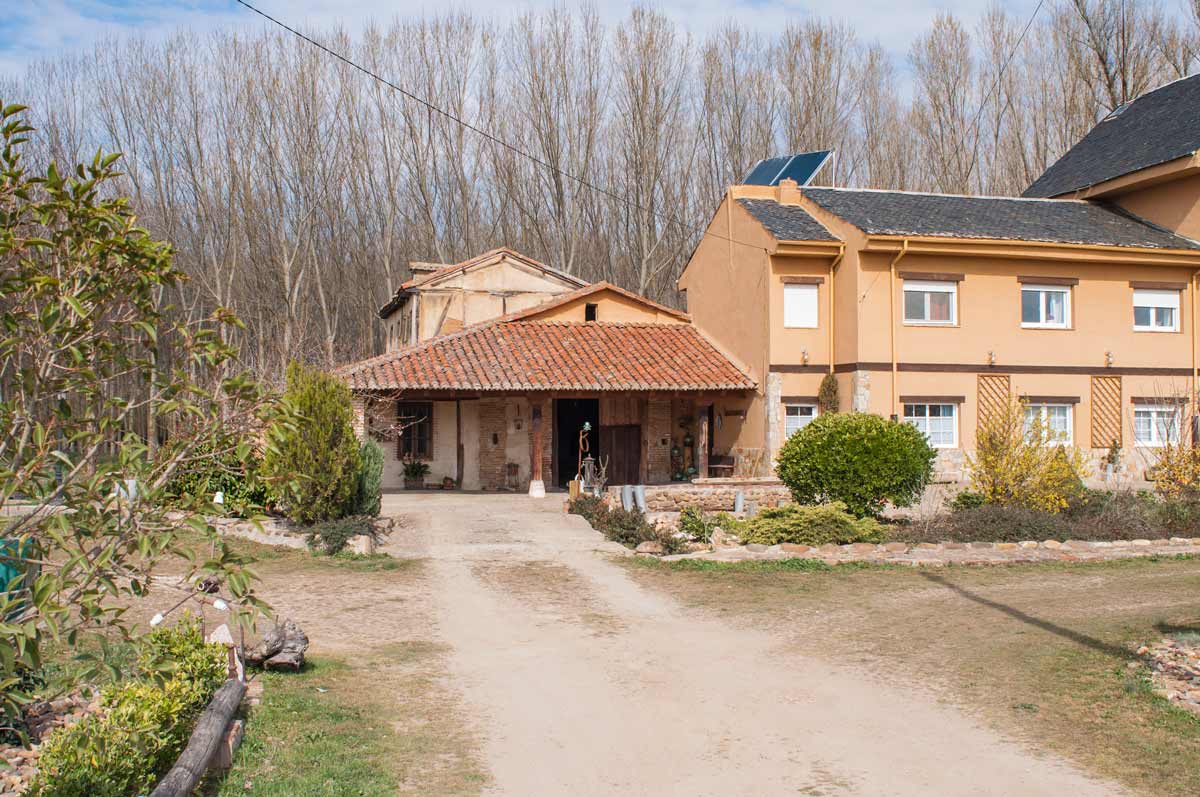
(30, 29)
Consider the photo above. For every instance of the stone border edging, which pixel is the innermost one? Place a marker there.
(939, 554)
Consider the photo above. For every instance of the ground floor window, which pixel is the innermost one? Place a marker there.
(1055, 418)
(797, 416)
(939, 422)
(414, 422)
(1155, 424)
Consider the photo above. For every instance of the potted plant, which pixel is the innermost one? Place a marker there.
(415, 472)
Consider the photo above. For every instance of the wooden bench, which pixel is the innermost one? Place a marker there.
(720, 466)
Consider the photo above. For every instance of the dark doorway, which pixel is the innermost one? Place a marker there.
(569, 417)
(622, 445)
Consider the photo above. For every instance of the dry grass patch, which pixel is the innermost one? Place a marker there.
(1041, 651)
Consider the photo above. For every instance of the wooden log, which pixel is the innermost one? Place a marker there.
(206, 737)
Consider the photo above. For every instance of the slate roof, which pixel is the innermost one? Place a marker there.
(1157, 127)
(787, 222)
(507, 356)
(996, 218)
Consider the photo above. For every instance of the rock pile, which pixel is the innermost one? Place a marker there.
(1175, 671)
(42, 717)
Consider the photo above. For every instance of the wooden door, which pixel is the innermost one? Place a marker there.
(622, 447)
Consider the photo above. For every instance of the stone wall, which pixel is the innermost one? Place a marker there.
(718, 496)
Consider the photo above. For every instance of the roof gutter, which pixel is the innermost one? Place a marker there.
(892, 322)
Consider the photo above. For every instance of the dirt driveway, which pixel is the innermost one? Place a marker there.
(582, 682)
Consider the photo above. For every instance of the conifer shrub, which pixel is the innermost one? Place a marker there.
(313, 455)
(368, 493)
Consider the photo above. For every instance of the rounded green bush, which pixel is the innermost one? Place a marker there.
(862, 460)
(810, 525)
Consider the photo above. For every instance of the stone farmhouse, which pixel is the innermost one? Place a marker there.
(1080, 296)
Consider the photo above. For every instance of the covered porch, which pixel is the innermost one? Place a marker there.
(477, 441)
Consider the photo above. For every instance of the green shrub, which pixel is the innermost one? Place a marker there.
(332, 536)
(416, 469)
(313, 456)
(967, 499)
(810, 525)
(368, 491)
(695, 525)
(628, 527)
(827, 395)
(862, 460)
(221, 466)
(144, 724)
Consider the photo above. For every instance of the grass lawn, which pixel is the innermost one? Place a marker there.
(370, 714)
(1040, 651)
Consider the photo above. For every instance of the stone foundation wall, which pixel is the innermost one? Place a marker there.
(718, 497)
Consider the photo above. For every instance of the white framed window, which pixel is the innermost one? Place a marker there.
(1155, 424)
(1045, 306)
(1155, 310)
(939, 422)
(800, 306)
(928, 302)
(797, 416)
(1055, 418)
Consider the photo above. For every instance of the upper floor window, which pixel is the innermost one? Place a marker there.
(1055, 419)
(1155, 310)
(939, 422)
(800, 306)
(797, 416)
(1045, 306)
(1155, 424)
(930, 302)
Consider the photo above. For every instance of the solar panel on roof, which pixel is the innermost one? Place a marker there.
(801, 167)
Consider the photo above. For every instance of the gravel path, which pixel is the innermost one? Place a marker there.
(583, 683)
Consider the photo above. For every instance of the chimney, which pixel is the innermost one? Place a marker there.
(788, 192)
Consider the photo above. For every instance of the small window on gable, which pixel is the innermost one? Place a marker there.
(800, 306)
(589, 312)
(1155, 310)
(928, 302)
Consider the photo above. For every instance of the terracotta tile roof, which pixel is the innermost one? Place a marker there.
(506, 356)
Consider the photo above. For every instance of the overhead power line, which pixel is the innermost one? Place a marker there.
(491, 136)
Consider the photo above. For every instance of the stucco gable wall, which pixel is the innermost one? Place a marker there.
(611, 307)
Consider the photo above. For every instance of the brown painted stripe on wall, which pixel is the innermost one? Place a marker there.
(1158, 400)
(930, 276)
(984, 368)
(802, 280)
(1048, 280)
(800, 369)
(799, 399)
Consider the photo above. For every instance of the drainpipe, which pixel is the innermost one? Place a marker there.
(1195, 373)
(892, 322)
(833, 271)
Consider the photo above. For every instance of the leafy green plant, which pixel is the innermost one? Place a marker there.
(226, 466)
(332, 536)
(313, 460)
(368, 493)
(95, 368)
(862, 460)
(965, 499)
(810, 525)
(415, 469)
(828, 400)
(143, 725)
(695, 525)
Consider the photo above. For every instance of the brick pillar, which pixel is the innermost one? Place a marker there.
(358, 405)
